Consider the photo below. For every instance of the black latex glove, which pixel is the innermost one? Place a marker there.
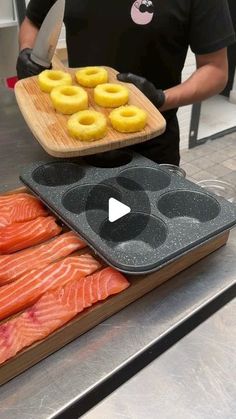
(156, 96)
(25, 67)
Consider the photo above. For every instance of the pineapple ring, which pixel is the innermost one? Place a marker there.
(128, 119)
(69, 99)
(111, 95)
(91, 76)
(52, 78)
(87, 125)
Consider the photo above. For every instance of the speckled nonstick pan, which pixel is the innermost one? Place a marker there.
(169, 214)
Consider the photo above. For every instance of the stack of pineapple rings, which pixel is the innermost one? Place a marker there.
(86, 124)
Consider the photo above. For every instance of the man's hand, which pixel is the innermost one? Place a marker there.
(25, 67)
(156, 96)
(209, 79)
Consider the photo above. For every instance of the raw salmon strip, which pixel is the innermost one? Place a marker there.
(15, 265)
(21, 235)
(28, 288)
(18, 208)
(56, 308)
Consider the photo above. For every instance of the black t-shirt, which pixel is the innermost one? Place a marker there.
(148, 38)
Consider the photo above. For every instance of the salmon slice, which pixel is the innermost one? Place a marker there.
(23, 292)
(56, 308)
(21, 235)
(15, 265)
(17, 208)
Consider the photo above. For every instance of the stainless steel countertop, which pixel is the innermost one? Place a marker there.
(70, 374)
(17, 147)
(195, 379)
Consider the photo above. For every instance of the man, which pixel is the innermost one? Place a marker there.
(147, 42)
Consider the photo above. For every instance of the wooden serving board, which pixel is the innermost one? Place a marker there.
(50, 127)
(139, 286)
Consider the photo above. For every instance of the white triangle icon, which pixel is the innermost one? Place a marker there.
(116, 210)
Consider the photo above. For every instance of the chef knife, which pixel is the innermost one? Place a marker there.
(48, 35)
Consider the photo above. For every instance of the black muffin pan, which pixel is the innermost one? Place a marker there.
(169, 214)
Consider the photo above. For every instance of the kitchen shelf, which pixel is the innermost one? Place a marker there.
(4, 23)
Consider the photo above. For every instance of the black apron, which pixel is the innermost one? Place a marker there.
(165, 148)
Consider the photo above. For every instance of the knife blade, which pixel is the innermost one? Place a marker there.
(48, 35)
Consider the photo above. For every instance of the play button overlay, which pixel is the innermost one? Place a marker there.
(116, 210)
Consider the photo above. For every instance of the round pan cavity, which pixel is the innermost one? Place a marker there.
(190, 204)
(146, 178)
(88, 197)
(135, 238)
(135, 226)
(109, 159)
(58, 174)
(91, 199)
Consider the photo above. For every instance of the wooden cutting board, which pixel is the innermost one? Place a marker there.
(49, 126)
(140, 285)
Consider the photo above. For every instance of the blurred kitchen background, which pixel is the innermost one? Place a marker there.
(210, 120)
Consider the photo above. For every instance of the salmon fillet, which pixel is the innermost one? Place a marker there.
(23, 292)
(21, 235)
(18, 208)
(56, 308)
(15, 265)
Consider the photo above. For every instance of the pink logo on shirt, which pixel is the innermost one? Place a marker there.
(142, 12)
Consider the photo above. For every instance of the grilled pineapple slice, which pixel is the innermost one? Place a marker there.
(69, 99)
(49, 79)
(87, 125)
(91, 76)
(128, 118)
(111, 95)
